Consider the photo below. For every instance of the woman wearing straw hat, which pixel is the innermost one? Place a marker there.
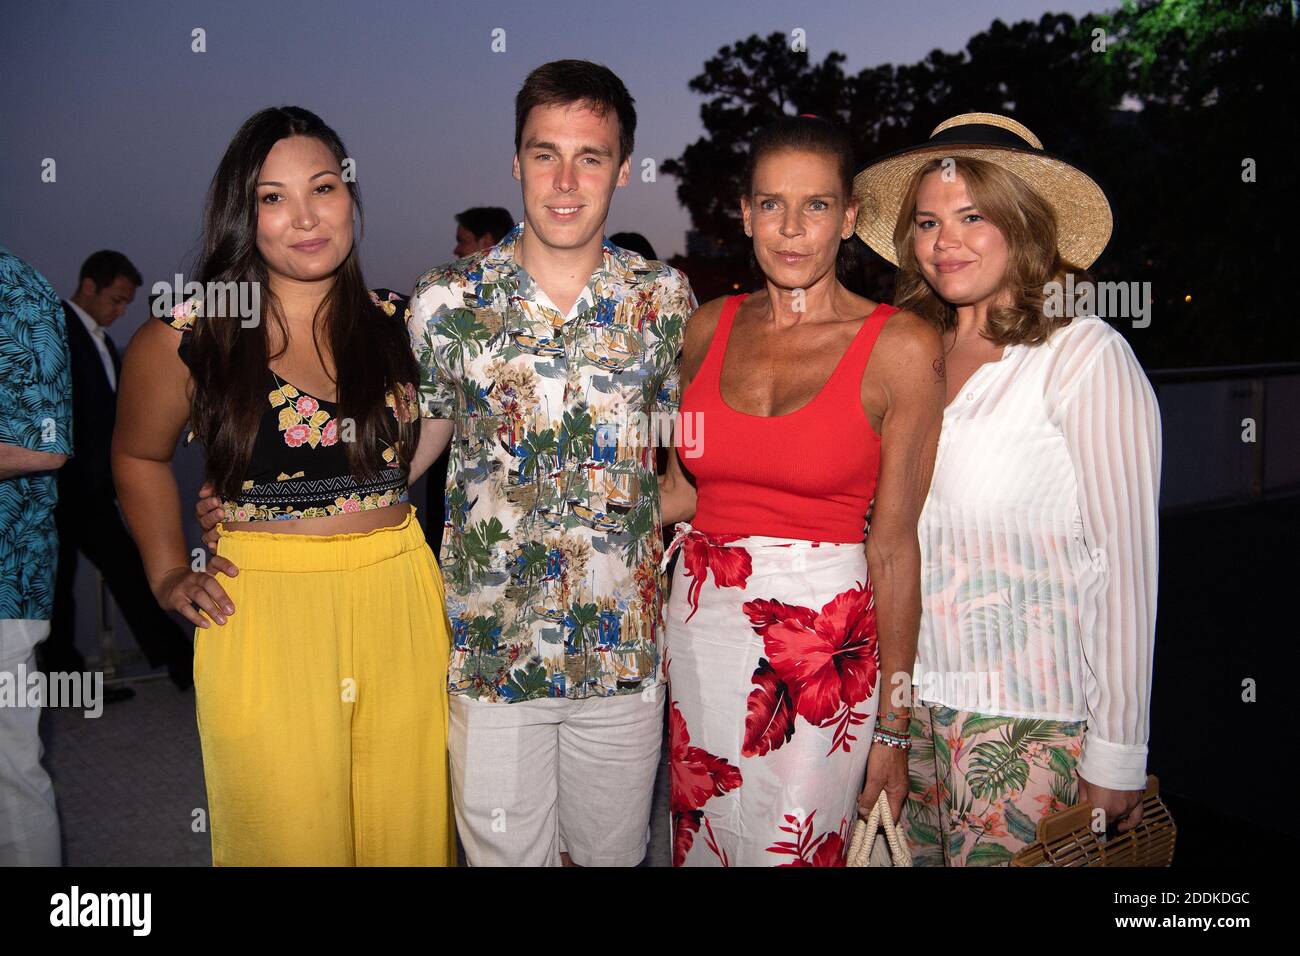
(780, 649)
(1038, 536)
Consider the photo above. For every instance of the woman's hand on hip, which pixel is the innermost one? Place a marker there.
(193, 593)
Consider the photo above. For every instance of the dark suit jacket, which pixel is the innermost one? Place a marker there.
(88, 475)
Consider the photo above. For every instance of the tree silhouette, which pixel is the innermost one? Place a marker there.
(1161, 102)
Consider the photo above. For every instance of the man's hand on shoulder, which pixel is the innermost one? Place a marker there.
(208, 510)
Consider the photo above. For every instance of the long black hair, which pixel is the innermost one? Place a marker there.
(228, 362)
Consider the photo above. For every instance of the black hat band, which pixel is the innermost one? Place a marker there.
(980, 134)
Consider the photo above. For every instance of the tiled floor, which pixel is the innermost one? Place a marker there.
(130, 783)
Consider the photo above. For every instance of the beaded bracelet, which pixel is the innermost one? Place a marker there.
(889, 731)
(891, 739)
(887, 736)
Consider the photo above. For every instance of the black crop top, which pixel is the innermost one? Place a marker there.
(299, 466)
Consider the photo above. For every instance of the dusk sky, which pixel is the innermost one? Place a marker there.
(136, 122)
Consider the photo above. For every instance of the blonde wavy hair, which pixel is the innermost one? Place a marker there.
(1028, 225)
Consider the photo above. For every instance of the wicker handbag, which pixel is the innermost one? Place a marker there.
(1067, 839)
(866, 850)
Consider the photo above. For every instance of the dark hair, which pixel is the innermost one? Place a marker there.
(486, 221)
(103, 268)
(811, 134)
(372, 352)
(634, 242)
(561, 82)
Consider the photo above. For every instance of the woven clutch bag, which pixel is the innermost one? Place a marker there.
(866, 850)
(1067, 838)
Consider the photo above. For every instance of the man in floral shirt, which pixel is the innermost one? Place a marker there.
(35, 441)
(555, 353)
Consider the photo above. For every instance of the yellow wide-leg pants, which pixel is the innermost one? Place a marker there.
(322, 702)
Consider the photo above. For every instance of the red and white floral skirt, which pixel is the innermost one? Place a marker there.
(773, 687)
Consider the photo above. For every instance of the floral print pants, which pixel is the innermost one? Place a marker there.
(773, 686)
(979, 783)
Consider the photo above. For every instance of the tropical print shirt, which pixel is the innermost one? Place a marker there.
(553, 533)
(35, 413)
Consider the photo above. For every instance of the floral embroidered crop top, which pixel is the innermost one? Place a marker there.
(299, 466)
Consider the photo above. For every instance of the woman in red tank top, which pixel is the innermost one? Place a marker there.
(803, 404)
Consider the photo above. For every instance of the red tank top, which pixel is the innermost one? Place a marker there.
(808, 475)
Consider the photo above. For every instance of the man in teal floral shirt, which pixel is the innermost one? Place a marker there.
(555, 354)
(35, 441)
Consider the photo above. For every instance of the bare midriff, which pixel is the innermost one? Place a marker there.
(358, 521)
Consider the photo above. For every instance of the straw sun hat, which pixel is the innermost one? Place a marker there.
(1083, 218)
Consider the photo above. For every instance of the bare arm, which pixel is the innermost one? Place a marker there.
(435, 435)
(676, 488)
(909, 439)
(152, 408)
(912, 395)
(151, 411)
(676, 492)
(15, 461)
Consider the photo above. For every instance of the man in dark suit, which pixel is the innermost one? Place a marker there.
(87, 516)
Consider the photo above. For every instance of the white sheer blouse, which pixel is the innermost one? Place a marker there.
(1038, 546)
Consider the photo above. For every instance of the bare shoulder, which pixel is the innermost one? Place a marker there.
(699, 333)
(908, 339)
(154, 347)
(706, 317)
(905, 372)
(154, 335)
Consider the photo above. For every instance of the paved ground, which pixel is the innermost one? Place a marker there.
(130, 783)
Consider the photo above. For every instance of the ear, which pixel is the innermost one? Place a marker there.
(514, 169)
(86, 286)
(745, 214)
(624, 172)
(850, 219)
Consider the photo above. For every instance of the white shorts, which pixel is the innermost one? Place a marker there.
(29, 820)
(533, 779)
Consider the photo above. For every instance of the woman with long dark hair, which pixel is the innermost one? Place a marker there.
(321, 655)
